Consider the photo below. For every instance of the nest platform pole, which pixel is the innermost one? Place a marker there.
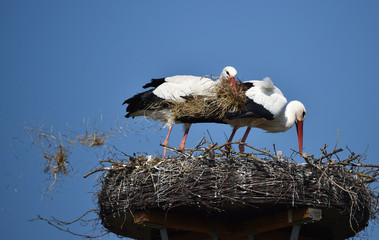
(214, 235)
(164, 235)
(295, 232)
(277, 221)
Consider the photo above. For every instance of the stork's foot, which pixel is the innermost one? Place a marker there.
(182, 147)
(227, 148)
(165, 143)
(242, 148)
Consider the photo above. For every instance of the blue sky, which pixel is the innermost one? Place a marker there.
(65, 61)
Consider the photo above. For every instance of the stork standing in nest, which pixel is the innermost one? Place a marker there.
(267, 108)
(154, 103)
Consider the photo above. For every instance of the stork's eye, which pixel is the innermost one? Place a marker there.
(303, 114)
(227, 73)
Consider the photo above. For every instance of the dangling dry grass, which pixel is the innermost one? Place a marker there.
(57, 163)
(61, 160)
(55, 146)
(94, 139)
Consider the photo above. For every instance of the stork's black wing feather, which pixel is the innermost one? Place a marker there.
(155, 82)
(253, 110)
(247, 85)
(188, 119)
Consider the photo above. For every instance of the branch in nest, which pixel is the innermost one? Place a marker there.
(179, 151)
(103, 169)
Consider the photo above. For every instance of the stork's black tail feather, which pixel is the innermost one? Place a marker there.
(142, 102)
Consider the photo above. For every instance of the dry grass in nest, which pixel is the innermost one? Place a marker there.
(228, 100)
(224, 101)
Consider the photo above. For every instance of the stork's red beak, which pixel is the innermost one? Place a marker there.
(233, 81)
(299, 129)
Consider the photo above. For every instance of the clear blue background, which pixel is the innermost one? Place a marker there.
(65, 61)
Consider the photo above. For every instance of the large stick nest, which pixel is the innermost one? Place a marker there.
(224, 184)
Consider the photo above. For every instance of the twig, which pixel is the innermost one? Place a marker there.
(330, 154)
(338, 136)
(180, 151)
(56, 223)
(76, 220)
(210, 137)
(331, 180)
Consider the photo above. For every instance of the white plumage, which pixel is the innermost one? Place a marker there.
(184, 85)
(174, 88)
(267, 109)
(266, 94)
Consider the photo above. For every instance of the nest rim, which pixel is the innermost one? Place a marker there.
(225, 205)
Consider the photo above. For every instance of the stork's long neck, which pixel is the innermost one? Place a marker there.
(220, 79)
(288, 117)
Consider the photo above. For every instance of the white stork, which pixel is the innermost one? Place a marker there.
(267, 108)
(174, 88)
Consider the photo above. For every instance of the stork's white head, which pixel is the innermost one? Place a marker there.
(300, 112)
(229, 73)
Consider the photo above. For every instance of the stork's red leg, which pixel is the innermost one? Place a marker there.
(166, 141)
(186, 130)
(231, 138)
(241, 146)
